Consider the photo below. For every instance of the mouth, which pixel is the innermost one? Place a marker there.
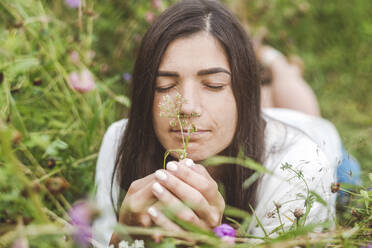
(193, 135)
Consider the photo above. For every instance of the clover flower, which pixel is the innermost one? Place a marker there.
(81, 216)
(83, 82)
(226, 233)
(73, 3)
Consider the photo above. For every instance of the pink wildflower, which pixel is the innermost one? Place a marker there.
(157, 4)
(149, 17)
(83, 82)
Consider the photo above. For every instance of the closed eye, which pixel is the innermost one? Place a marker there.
(164, 89)
(215, 87)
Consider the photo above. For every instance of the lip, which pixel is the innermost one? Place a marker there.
(194, 135)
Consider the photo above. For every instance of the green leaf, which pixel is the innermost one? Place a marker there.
(247, 163)
(248, 182)
(54, 147)
(236, 212)
(318, 198)
(23, 65)
(124, 100)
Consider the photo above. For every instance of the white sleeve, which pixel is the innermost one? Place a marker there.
(285, 188)
(103, 226)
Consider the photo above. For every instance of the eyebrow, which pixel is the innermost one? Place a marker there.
(200, 73)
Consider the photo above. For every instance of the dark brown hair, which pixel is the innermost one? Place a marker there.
(140, 152)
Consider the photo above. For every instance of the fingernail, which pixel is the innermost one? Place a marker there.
(158, 188)
(161, 175)
(189, 162)
(152, 211)
(172, 166)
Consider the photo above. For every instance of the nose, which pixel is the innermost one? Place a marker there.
(191, 101)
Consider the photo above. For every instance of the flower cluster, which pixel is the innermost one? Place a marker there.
(135, 244)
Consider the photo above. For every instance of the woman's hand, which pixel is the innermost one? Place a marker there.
(138, 199)
(133, 210)
(190, 193)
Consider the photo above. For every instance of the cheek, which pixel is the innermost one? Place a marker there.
(224, 112)
(157, 120)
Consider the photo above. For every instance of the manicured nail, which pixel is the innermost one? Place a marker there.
(152, 211)
(172, 166)
(161, 175)
(158, 188)
(189, 162)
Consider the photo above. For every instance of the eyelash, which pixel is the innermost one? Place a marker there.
(214, 87)
(210, 87)
(160, 89)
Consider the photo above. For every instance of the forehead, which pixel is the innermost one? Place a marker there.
(195, 52)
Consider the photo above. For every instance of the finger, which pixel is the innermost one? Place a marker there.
(141, 200)
(190, 196)
(140, 183)
(145, 219)
(176, 206)
(204, 184)
(161, 220)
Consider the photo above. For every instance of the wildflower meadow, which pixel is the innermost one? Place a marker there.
(65, 75)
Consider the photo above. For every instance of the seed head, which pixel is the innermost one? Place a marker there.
(298, 213)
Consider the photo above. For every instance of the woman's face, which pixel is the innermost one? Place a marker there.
(197, 68)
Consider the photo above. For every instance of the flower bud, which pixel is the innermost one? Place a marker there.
(51, 163)
(335, 187)
(277, 205)
(56, 185)
(37, 82)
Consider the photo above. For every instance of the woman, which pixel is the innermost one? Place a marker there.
(198, 49)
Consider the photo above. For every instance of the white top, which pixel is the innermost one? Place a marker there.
(314, 150)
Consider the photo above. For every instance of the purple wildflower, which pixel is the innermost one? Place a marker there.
(369, 245)
(81, 217)
(224, 230)
(73, 3)
(127, 76)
